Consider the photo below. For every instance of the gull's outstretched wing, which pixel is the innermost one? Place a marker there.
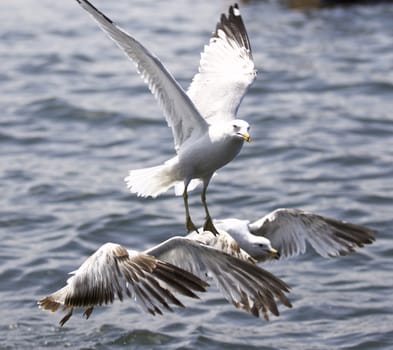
(290, 229)
(226, 70)
(180, 112)
(244, 284)
(113, 271)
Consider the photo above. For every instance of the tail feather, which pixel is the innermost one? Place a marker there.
(55, 300)
(150, 181)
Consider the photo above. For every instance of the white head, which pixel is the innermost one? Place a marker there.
(234, 129)
(260, 248)
(241, 129)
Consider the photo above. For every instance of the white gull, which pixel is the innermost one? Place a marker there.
(290, 230)
(206, 133)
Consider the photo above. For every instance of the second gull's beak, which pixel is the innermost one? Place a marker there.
(274, 253)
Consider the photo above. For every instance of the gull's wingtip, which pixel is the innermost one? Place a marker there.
(234, 10)
(233, 27)
(89, 7)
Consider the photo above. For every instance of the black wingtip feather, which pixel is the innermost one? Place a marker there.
(233, 27)
(89, 4)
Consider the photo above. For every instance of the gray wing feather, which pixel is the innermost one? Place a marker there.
(245, 285)
(289, 231)
(112, 272)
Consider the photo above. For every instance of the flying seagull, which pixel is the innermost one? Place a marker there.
(289, 231)
(179, 265)
(115, 271)
(206, 133)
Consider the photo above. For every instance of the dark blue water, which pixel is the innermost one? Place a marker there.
(75, 117)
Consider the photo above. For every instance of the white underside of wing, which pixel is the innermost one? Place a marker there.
(180, 112)
(225, 73)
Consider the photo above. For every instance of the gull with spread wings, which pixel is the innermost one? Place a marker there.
(113, 271)
(177, 265)
(206, 133)
(286, 232)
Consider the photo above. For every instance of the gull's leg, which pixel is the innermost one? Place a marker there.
(88, 312)
(66, 317)
(189, 224)
(208, 226)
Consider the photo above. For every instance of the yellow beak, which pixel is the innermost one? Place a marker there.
(246, 137)
(274, 252)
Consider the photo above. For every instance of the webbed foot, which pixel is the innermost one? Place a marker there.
(190, 225)
(208, 226)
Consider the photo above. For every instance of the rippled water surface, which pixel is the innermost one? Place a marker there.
(75, 117)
